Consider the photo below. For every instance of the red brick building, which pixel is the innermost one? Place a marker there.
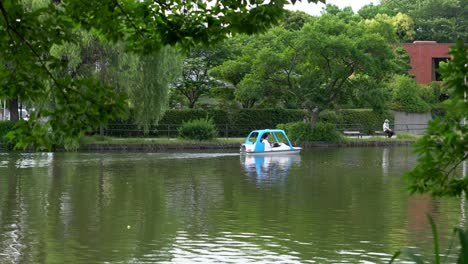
(425, 57)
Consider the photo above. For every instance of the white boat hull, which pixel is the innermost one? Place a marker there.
(295, 150)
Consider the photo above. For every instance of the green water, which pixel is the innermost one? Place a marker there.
(335, 205)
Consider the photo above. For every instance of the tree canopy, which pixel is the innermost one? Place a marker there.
(441, 20)
(28, 33)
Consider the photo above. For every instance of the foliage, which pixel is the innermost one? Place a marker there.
(238, 122)
(431, 93)
(249, 119)
(298, 132)
(195, 81)
(405, 96)
(407, 136)
(313, 66)
(443, 148)
(330, 116)
(264, 71)
(5, 128)
(295, 20)
(325, 132)
(401, 62)
(182, 115)
(335, 53)
(28, 69)
(397, 28)
(368, 92)
(443, 21)
(151, 93)
(27, 72)
(198, 129)
(250, 91)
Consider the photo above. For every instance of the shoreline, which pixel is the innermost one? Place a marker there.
(157, 147)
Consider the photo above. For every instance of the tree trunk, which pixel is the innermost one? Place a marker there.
(314, 116)
(14, 116)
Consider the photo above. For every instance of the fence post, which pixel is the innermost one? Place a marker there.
(227, 132)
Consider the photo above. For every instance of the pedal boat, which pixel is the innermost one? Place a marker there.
(280, 143)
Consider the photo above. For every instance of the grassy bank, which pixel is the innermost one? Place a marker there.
(114, 140)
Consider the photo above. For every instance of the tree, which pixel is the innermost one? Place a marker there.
(444, 147)
(268, 63)
(439, 20)
(335, 54)
(295, 20)
(27, 36)
(405, 95)
(195, 80)
(151, 93)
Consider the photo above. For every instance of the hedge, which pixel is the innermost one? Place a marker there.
(249, 119)
(235, 123)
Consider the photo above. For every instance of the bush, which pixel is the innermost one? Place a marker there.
(325, 132)
(198, 129)
(330, 116)
(300, 132)
(5, 127)
(406, 96)
(430, 92)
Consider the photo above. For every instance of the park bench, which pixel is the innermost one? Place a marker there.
(380, 133)
(352, 133)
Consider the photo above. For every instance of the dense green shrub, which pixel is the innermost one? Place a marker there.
(325, 132)
(330, 116)
(198, 129)
(430, 92)
(300, 132)
(406, 96)
(5, 127)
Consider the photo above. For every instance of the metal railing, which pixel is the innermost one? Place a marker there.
(166, 130)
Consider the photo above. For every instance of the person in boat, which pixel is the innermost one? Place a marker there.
(264, 140)
(386, 128)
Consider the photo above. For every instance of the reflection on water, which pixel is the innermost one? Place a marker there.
(322, 206)
(269, 167)
(25, 160)
(385, 161)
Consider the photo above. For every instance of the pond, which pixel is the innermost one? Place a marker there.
(329, 205)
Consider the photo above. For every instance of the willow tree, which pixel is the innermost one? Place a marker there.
(150, 96)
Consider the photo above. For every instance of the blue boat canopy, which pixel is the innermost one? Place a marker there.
(277, 136)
